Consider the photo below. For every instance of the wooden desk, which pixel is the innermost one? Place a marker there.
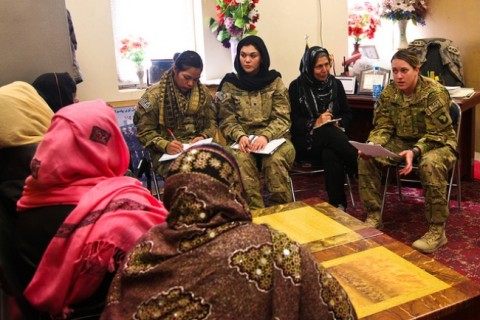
(384, 278)
(362, 110)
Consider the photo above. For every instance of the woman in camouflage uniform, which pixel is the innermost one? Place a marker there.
(254, 101)
(177, 110)
(412, 119)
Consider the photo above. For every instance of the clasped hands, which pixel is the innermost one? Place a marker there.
(256, 144)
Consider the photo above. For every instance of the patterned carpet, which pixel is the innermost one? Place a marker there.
(405, 221)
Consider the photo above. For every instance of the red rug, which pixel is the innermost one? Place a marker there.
(405, 221)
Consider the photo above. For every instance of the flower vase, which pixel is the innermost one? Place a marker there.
(233, 49)
(402, 27)
(141, 76)
(356, 48)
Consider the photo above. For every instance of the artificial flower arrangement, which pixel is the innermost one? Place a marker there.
(363, 21)
(236, 18)
(133, 48)
(414, 10)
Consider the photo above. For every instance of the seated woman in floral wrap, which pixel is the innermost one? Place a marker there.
(209, 261)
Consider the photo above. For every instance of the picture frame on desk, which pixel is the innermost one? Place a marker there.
(349, 83)
(369, 51)
(157, 69)
(367, 78)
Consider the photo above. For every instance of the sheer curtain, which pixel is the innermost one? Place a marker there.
(167, 26)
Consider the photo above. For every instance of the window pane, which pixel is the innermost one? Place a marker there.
(167, 26)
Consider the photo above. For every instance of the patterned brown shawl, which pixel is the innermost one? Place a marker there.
(209, 261)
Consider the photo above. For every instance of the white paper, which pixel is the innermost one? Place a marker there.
(374, 150)
(269, 148)
(327, 122)
(461, 92)
(186, 146)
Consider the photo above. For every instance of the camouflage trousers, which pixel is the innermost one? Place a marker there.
(275, 171)
(433, 170)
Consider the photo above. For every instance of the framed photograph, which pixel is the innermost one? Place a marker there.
(367, 78)
(159, 66)
(349, 84)
(369, 52)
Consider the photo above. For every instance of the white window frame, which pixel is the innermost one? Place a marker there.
(163, 41)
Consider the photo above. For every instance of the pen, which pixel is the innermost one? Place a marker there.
(171, 134)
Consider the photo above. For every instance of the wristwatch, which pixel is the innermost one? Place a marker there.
(416, 152)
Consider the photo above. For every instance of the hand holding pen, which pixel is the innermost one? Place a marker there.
(174, 146)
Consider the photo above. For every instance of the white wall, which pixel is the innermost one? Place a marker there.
(283, 25)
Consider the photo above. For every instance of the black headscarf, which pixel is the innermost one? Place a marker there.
(57, 89)
(248, 82)
(315, 95)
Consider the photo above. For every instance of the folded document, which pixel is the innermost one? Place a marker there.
(458, 92)
(374, 150)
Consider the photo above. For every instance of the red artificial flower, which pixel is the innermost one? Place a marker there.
(363, 21)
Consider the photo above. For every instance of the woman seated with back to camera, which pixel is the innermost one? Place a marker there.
(58, 89)
(24, 121)
(210, 261)
(178, 110)
(79, 214)
(316, 98)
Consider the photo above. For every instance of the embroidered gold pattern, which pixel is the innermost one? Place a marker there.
(206, 236)
(173, 304)
(140, 259)
(257, 262)
(187, 209)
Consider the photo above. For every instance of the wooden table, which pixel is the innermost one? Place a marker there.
(362, 110)
(384, 278)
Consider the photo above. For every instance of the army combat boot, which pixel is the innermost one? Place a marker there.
(374, 220)
(432, 240)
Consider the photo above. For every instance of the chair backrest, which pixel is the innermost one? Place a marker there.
(456, 115)
(10, 282)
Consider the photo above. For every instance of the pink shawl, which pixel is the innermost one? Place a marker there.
(81, 161)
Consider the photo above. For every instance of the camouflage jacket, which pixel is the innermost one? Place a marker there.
(265, 112)
(424, 119)
(155, 137)
(449, 54)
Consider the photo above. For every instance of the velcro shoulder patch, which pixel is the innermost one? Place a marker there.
(220, 96)
(144, 103)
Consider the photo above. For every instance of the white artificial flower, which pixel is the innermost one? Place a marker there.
(252, 13)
